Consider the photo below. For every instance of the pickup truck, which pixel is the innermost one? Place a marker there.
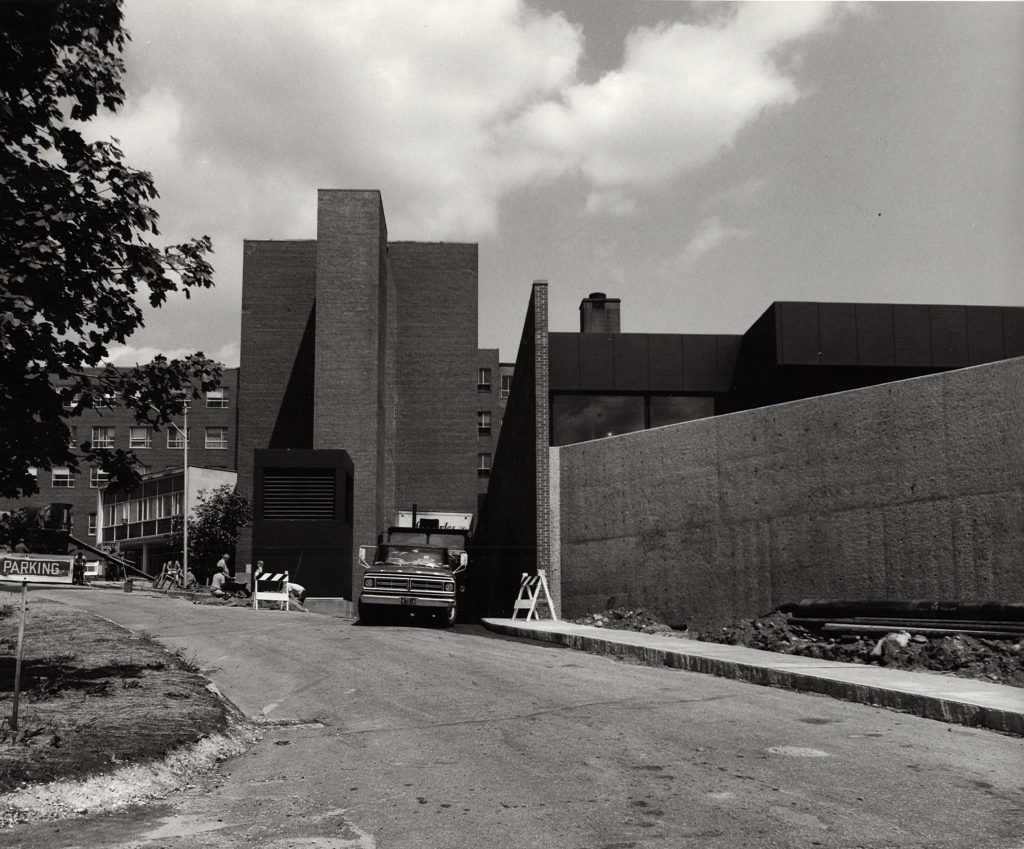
(411, 578)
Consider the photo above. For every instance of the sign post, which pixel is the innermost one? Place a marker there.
(37, 568)
(17, 663)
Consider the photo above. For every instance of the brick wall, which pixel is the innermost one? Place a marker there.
(436, 374)
(912, 489)
(157, 457)
(275, 398)
(508, 539)
(350, 394)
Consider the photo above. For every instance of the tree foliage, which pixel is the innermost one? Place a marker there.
(77, 260)
(213, 526)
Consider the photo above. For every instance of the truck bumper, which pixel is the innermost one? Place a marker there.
(412, 602)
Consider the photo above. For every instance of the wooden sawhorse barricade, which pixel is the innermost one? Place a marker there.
(530, 589)
(270, 586)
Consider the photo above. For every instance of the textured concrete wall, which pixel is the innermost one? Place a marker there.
(912, 489)
(436, 373)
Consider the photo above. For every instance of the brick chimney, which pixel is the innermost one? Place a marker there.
(599, 314)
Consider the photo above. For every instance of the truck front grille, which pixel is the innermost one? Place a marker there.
(391, 583)
(426, 585)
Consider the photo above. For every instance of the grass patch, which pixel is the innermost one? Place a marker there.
(93, 697)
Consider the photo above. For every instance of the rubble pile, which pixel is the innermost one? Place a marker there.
(625, 619)
(996, 660)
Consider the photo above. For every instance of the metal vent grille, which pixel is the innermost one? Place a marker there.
(298, 494)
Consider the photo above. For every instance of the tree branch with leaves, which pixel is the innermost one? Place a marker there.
(77, 257)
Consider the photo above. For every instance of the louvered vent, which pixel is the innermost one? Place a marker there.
(302, 495)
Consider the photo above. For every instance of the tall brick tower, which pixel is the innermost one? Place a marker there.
(351, 343)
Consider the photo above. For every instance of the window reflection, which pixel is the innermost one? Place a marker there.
(578, 418)
(672, 409)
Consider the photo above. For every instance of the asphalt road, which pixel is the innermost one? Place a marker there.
(410, 737)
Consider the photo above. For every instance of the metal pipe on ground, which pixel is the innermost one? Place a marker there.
(833, 609)
(848, 628)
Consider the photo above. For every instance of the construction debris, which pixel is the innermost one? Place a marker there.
(626, 619)
(951, 652)
(999, 660)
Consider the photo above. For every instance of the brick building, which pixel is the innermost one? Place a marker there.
(353, 343)
(212, 426)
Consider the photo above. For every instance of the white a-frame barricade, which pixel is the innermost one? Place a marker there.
(530, 589)
(270, 586)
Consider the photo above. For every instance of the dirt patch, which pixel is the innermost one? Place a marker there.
(94, 698)
(1001, 661)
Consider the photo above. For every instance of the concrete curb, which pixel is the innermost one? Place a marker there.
(826, 678)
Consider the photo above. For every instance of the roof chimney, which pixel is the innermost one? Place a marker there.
(599, 314)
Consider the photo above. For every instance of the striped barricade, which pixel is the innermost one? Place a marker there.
(270, 586)
(530, 589)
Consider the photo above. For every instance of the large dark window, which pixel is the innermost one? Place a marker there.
(672, 409)
(578, 418)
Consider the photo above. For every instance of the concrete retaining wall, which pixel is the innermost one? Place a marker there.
(912, 489)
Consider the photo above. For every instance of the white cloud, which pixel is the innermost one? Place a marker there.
(243, 107)
(711, 235)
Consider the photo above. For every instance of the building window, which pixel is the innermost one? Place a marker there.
(72, 436)
(674, 409)
(506, 385)
(61, 478)
(32, 470)
(483, 465)
(483, 423)
(217, 438)
(98, 478)
(483, 381)
(579, 418)
(92, 524)
(102, 437)
(217, 398)
(175, 439)
(139, 437)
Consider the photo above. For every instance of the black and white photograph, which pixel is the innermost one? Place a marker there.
(511, 424)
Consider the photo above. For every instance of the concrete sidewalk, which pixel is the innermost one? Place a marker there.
(962, 701)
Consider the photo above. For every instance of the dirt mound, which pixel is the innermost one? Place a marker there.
(625, 619)
(1001, 661)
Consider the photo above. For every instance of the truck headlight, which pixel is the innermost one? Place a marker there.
(449, 586)
(367, 583)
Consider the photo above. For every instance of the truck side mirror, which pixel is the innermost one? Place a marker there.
(458, 560)
(367, 553)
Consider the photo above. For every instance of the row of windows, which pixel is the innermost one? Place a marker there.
(215, 398)
(62, 478)
(143, 509)
(104, 436)
(483, 382)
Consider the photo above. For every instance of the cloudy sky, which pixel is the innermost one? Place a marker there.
(696, 160)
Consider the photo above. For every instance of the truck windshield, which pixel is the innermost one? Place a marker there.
(402, 555)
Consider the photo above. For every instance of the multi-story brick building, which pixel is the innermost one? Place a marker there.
(354, 343)
(212, 427)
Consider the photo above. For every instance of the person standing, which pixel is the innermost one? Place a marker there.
(78, 568)
(222, 564)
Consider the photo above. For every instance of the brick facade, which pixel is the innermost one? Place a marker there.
(384, 367)
(436, 375)
(277, 350)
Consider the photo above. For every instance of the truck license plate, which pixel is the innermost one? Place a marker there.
(408, 601)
